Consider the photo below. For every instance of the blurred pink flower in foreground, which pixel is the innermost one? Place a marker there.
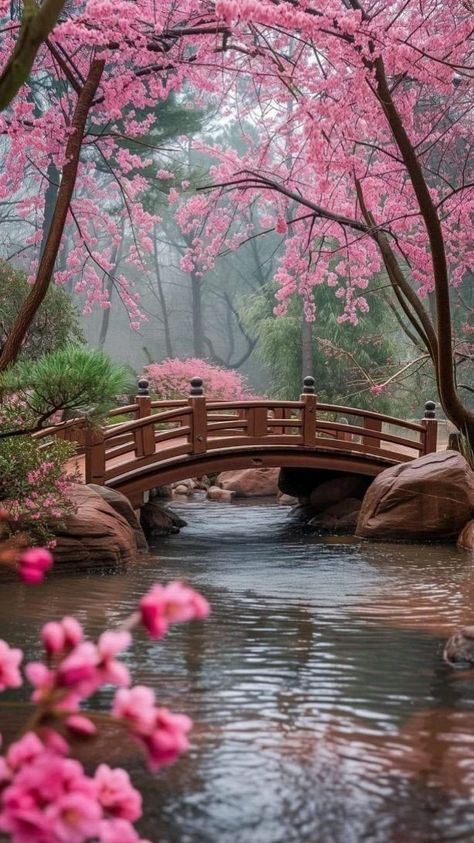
(34, 563)
(173, 603)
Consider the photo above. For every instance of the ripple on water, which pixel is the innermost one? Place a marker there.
(323, 712)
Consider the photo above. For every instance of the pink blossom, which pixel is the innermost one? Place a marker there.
(49, 798)
(34, 563)
(110, 643)
(10, 658)
(376, 389)
(162, 733)
(74, 817)
(116, 794)
(173, 603)
(137, 706)
(79, 670)
(168, 739)
(119, 831)
(52, 636)
(81, 725)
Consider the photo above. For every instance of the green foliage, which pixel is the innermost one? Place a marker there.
(71, 378)
(346, 359)
(56, 322)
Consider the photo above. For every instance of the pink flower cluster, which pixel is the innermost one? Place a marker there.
(48, 798)
(45, 796)
(162, 733)
(172, 603)
(170, 379)
(33, 564)
(76, 668)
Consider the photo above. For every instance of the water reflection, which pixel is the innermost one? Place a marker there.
(323, 711)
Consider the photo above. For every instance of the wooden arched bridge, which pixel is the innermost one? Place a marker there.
(165, 441)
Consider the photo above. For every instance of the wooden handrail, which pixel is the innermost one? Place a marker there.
(370, 414)
(195, 427)
(146, 421)
(54, 429)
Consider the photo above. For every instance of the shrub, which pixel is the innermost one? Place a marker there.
(34, 486)
(170, 380)
(68, 379)
(56, 322)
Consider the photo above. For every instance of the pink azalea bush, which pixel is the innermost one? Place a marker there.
(45, 795)
(33, 482)
(170, 379)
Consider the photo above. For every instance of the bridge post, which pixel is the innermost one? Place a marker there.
(308, 413)
(144, 436)
(430, 423)
(198, 422)
(376, 426)
(94, 455)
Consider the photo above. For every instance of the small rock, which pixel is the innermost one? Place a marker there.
(466, 536)
(181, 489)
(215, 493)
(459, 651)
(157, 520)
(287, 500)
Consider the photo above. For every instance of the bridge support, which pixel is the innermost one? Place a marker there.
(308, 413)
(144, 436)
(430, 423)
(197, 402)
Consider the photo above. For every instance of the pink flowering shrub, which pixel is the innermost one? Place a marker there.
(170, 379)
(45, 795)
(34, 486)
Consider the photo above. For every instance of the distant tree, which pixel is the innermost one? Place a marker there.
(55, 323)
(348, 362)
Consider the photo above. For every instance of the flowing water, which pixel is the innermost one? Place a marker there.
(323, 711)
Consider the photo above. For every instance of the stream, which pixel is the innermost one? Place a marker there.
(323, 711)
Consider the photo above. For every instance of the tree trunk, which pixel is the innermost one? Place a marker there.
(306, 349)
(452, 405)
(44, 274)
(198, 327)
(162, 299)
(50, 199)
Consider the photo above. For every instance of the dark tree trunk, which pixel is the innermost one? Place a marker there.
(44, 274)
(197, 315)
(306, 349)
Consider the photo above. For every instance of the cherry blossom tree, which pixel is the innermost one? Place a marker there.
(359, 155)
(374, 154)
(93, 90)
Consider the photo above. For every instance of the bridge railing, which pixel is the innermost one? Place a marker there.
(171, 429)
(158, 431)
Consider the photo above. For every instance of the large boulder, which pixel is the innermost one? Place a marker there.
(96, 534)
(250, 482)
(122, 505)
(428, 498)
